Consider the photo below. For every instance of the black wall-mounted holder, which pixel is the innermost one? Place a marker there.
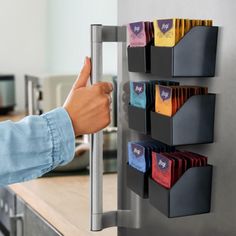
(137, 181)
(139, 119)
(139, 58)
(192, 124)
(190, 195)
(193, 56)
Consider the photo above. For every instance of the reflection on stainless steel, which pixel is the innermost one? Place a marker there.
(110, 149)
(81, 157)
(110, 139)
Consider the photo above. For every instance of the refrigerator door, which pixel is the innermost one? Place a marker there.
(221, 220)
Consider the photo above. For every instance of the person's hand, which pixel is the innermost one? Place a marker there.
(88, 106)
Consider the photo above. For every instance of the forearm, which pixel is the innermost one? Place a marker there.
(35, 145)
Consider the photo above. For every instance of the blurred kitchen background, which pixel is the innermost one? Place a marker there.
(42, 46)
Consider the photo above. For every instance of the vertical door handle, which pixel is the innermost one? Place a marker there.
(100, 220)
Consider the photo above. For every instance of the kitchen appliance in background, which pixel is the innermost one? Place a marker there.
(46, 92)
(80, 161)
(7, 93)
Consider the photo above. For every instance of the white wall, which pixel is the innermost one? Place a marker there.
(50, 36)
(22, 40)
(69, 33)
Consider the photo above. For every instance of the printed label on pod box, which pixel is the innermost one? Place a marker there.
(136, 156)
(138, 94)
(165, 25)
(137, 150)
(137, 34)
(138, 87)
(136, 27)
(164, 100)
(162, 169)
(165, 93)
(164, 32)
(162, 163)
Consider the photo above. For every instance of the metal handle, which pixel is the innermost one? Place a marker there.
(100, 220)
(30, 97)
(96, 153)
(13, 224)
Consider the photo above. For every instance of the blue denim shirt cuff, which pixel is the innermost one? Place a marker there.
(62, 136)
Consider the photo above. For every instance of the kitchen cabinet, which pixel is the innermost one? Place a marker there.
(32, 223)
(60, 204)
(17, 218)
(7, 211)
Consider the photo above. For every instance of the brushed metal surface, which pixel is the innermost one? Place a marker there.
(96, 140)
(221, 220)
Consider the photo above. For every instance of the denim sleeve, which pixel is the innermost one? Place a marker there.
(35, 145)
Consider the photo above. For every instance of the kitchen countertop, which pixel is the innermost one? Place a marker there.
(63, 201)
(14, 116)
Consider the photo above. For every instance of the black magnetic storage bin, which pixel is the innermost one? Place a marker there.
(190, 195)
(139, 119)
(139, 59)
(193, 123)
(194, 55)
(137, 181)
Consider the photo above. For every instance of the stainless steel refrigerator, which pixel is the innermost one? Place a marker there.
(135, 215)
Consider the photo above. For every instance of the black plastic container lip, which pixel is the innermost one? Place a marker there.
(187, 58)
(137, 181)
(139, 58)
(198, 95)
(193, 123)
(192, 29)
(139, 119)
(190, 195)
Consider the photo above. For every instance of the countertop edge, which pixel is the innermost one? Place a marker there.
(48, 213)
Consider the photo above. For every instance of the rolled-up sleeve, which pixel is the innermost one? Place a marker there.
(35, 145)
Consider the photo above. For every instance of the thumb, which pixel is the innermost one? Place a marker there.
(82, 79)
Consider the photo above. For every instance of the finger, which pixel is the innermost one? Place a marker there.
(110, 98)
(105, 86)
(84, 75)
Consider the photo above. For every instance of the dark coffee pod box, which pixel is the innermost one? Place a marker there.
(192, 124)
(193, 56)
(190, 195)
